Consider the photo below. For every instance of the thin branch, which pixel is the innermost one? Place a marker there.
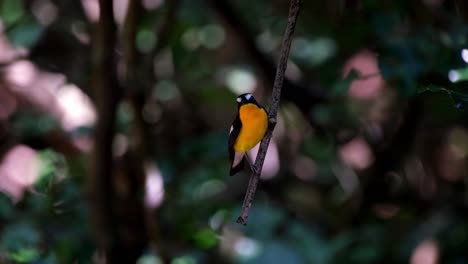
(305, 98)
(272, 112)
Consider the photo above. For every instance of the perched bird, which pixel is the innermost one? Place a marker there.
(248, 128)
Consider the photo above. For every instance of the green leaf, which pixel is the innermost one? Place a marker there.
(24, 255)
(11, 11)
(206, 238)
(458, 75)
(52, 163)
(342, 85)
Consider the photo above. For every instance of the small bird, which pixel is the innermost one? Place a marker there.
(249, 128)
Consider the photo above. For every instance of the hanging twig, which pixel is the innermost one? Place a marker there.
(272, 112)
(305, 98)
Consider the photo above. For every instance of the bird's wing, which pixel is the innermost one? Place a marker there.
(237, 162)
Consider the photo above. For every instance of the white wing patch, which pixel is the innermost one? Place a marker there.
(248, 96)
(239, 99)
(238, 156)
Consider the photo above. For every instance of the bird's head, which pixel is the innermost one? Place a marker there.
(245, 99)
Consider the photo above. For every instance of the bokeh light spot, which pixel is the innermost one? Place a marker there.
(356, 154)
(426, 253)
(44, 11)
(166, 90)
(370, 82)
(184, 260)
(314, 51)
(190, 39)
(453, 76)
(154, 187)
(464, 55)
(247, 248)
(77, 108)
(212, 36)
(146, 39)
(19, 169)
(240, 80)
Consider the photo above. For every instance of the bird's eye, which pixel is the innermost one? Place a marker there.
(239, 99)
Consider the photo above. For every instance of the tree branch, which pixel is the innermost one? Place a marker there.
(107, 95)
(272, 112)
(303, 97)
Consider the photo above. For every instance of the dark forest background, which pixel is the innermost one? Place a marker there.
(114, 119)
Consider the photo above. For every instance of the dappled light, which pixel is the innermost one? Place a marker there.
(427, 252)
(45, 11)
(152, 4)
(460, 74)
(238, 80)
(19, 169)
(369, 81)
(120, 145)
(314, 52)
(304, 168)
(238, 246)
(120, 10)
(356, 154)
(116, 147)
(34, 86)
(76, 107)
(293, 72)
(246, 248)
(91, 9)
(166, 90)
(164, 65)
(21, 74)
(211, 36)
(190, 39)
(267, 41)
(464, 55)
(154, 187)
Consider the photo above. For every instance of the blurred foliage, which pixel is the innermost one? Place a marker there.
(50, 223)
(317, 208)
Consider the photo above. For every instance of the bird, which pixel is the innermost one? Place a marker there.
(248, 129)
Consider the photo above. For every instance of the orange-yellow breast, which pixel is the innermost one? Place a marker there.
(254, 125)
